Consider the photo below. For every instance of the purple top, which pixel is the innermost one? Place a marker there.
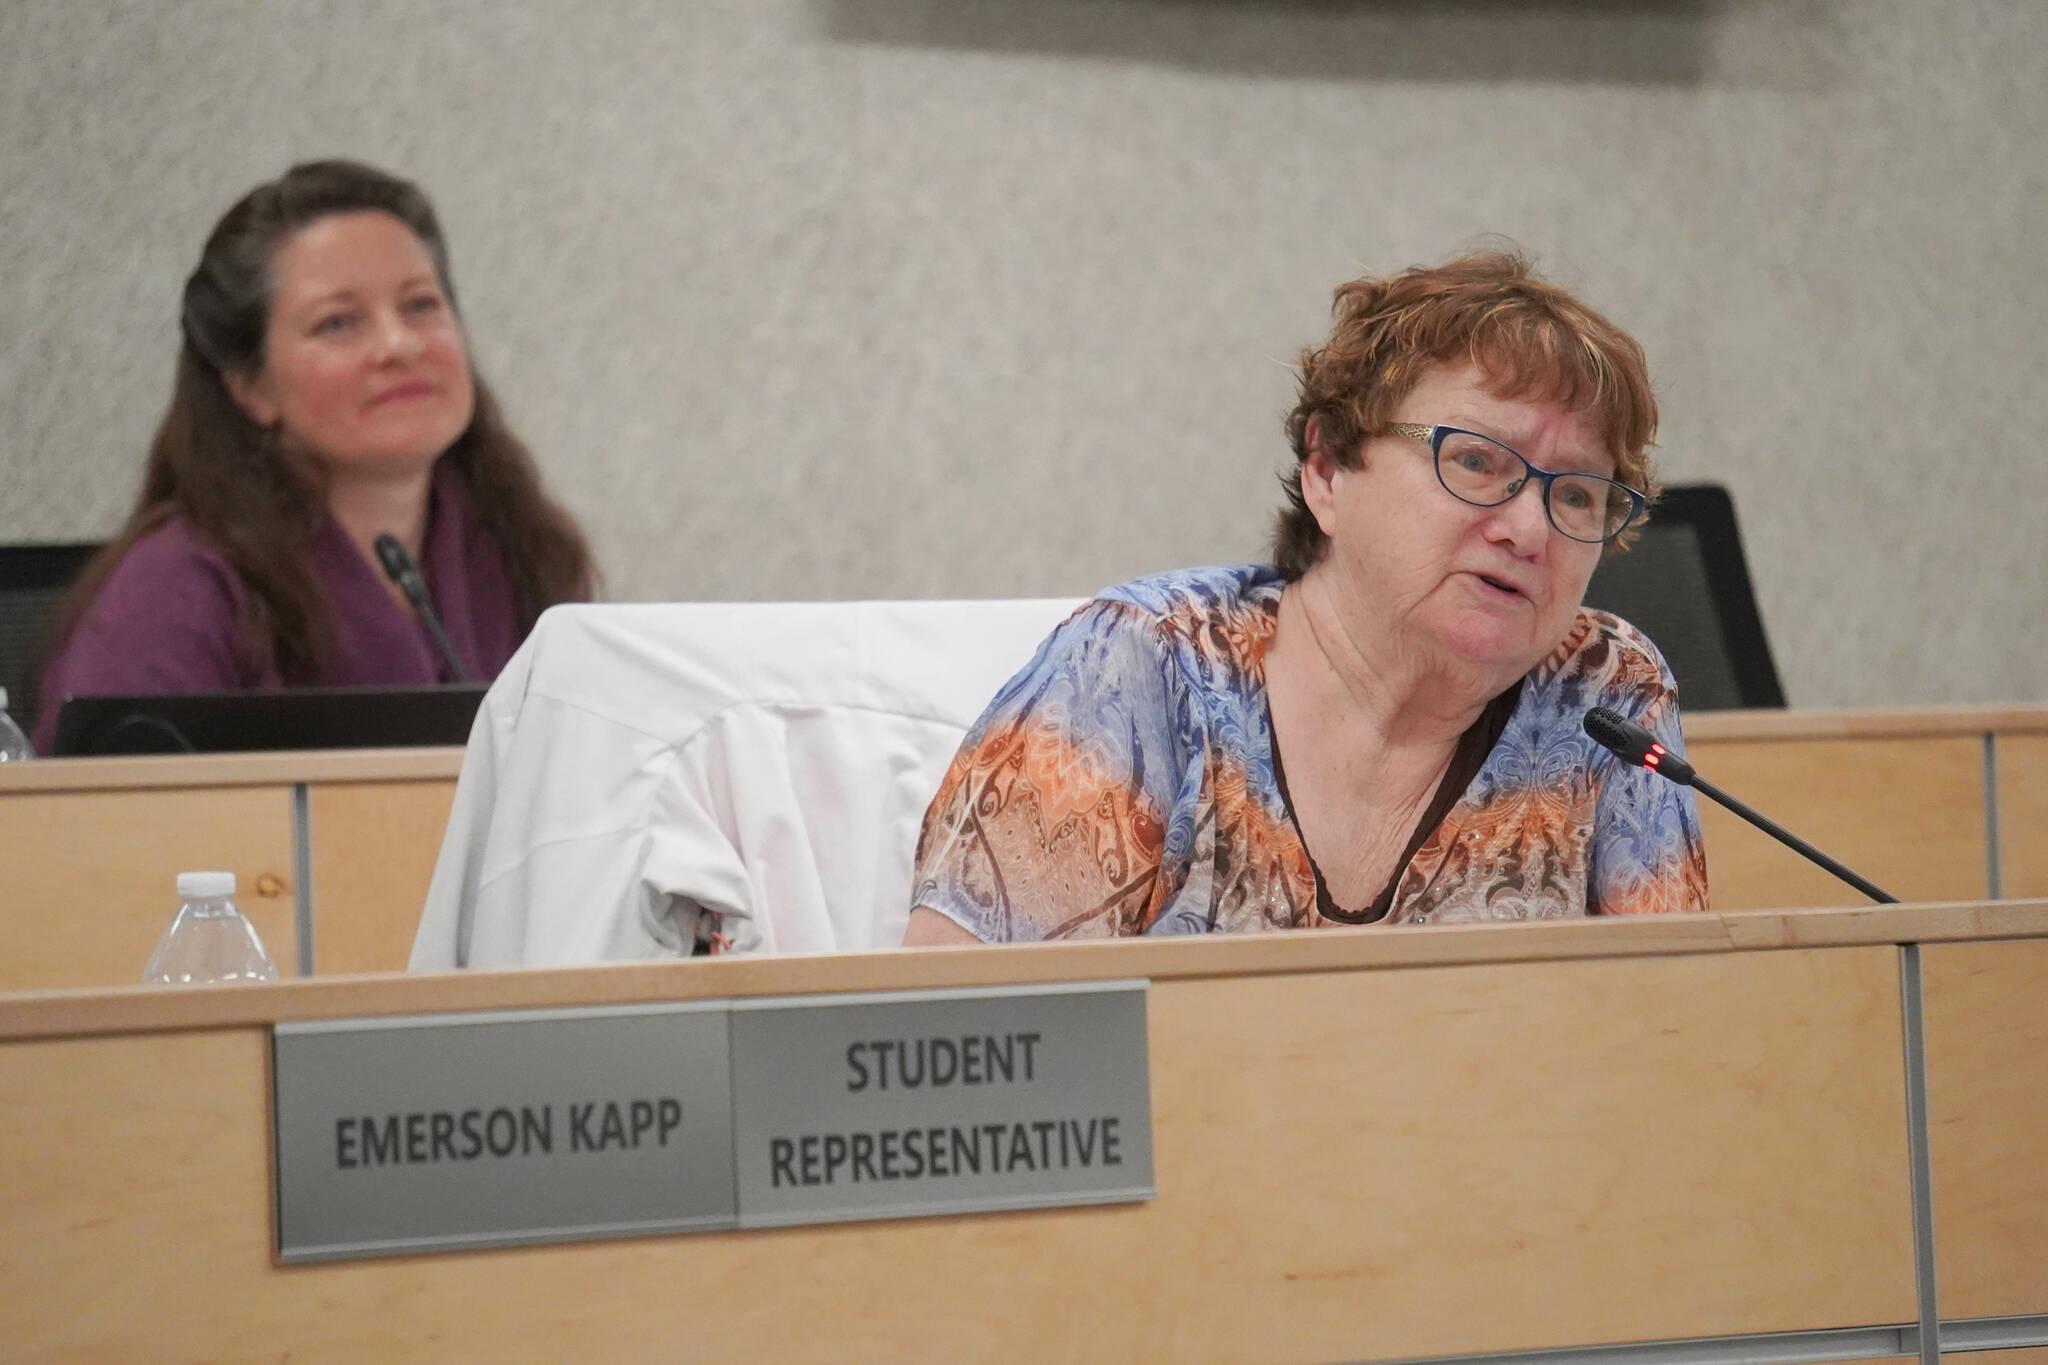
(167, 619)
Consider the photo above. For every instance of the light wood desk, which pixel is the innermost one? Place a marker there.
(1929, 803)
(1369, 1145)
(332, 852)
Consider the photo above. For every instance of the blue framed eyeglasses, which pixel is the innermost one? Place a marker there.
(1480, 470)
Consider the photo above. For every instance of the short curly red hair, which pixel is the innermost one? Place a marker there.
(1529, 337)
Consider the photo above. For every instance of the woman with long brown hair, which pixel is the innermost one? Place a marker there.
(324, 398)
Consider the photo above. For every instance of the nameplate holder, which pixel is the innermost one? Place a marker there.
(938, 1102)
(423, 1133)
(432, 1132)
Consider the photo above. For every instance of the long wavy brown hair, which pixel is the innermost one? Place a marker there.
(245, 491)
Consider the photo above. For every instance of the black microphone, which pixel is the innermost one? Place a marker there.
(1634, 744)
(400, 569)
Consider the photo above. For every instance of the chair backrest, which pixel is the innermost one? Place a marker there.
(770, 762)
(1686, 584)
(33, 582)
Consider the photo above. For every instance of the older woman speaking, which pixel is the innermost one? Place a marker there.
(1384, 726)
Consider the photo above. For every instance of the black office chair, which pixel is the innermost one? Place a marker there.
(1686, 585)
(33, 581)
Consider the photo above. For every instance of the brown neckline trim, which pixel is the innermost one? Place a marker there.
(1466, 760)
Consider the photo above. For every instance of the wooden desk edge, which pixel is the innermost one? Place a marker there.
(46, 1014)
(232, 770)
(444, 763)
(1895, 723)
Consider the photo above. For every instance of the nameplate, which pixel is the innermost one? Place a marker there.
(886, 1106)
(435, 1132)
(426, 1132)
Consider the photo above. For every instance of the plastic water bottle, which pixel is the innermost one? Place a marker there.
(14, 745)
(209, 940)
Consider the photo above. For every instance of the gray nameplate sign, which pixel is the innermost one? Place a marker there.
(428, 1132)
(888, 1106)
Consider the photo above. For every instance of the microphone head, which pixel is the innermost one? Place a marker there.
(1634, 744)
(1612, 730)
(397, 563)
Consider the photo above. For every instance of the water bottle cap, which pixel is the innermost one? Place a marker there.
(196, 886)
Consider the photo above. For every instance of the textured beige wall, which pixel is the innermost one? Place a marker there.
(824, 298)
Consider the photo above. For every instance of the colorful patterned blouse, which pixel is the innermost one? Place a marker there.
(1124, 783)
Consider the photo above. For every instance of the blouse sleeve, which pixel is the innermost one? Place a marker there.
(1051, 821)
(1648, 857)
(168, 619)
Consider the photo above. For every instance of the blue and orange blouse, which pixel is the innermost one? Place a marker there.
(1125, 782)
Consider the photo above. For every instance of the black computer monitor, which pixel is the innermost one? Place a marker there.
(289, 718)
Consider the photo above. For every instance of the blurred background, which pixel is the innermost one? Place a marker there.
(917, 298)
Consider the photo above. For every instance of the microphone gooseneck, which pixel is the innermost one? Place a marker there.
(399, 568)
(1635, 745)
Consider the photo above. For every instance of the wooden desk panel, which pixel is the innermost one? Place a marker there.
(173, 1150)
(1897, 794)
(2023, 815)
(374, 848)
(1906, 813)
(94, 879)
(1598, 1150)
(1987, 1096)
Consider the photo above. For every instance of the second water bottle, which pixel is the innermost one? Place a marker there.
(210, 940)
